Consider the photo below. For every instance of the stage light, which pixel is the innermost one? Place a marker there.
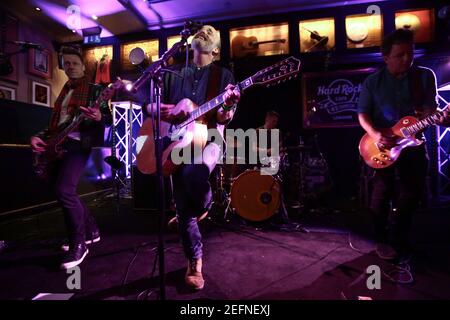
(129, 87)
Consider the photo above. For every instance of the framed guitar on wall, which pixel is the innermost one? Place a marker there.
(262, 40)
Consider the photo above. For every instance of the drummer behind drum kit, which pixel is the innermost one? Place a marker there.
(302, 175)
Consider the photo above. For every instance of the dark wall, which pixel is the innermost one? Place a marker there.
(19, 121)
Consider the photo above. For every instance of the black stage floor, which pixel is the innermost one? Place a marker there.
(241, 261)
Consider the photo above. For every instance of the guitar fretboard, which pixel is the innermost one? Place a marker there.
(424, 123)
(213, 103)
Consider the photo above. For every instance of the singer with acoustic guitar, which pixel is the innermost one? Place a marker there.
(184, 87)
(392, 100)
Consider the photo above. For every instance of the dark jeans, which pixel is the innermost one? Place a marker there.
(193, 197)
(410, 170)
(64, 180)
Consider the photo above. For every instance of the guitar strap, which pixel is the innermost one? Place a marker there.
(417, 91)
(212, 90)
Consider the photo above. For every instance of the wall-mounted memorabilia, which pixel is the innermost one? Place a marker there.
(263, 40)
(364, 30)
(40, 93)
(7, 93)
(97, 61)
(421, 22)
(150, 48)
(330, 99)
(174, 39)
(316, 35)
(9, 27)
(40, 63)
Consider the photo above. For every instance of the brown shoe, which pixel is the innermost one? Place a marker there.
(194, 278)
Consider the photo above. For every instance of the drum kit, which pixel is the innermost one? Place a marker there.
(241, 189)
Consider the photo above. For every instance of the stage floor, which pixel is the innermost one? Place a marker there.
(241, 261)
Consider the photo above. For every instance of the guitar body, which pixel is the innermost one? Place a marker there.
(244, 46)
(42, 162)
(382, 158)
(192, 135)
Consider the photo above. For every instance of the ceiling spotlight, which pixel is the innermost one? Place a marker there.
(74, 31)
(37, 9)
(94, 17)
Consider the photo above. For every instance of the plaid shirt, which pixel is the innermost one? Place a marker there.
(80, 97)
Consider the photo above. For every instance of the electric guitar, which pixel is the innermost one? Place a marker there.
(405, 132)
(248, 46)
(42, 161)
(187, 131)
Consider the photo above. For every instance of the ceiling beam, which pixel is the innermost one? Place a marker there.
(127, 4)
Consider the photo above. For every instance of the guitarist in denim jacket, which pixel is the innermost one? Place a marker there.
(397, 90)
(75, 97)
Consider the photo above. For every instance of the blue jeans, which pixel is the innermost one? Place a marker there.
(193, 197)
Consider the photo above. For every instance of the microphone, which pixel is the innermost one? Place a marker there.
(192, 25)
(28, 45)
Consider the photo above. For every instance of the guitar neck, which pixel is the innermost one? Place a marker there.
(214, 103)
(424, 123)
(105, 95)
(268, 41)
(60, 136)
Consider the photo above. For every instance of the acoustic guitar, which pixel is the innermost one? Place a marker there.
(187, 131)
(248, 46)
(405, 130)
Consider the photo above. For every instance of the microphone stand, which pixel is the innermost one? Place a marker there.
(155, 72)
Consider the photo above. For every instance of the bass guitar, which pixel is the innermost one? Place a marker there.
(42, 161)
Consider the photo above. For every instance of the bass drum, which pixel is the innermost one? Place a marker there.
(254, 196)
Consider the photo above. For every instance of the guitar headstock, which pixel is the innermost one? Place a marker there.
(277, 72)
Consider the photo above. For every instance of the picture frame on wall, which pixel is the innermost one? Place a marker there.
(7, 93)
(317, 35)
(40, 93)
(420, 22)
(150, 48)
(40, 63)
